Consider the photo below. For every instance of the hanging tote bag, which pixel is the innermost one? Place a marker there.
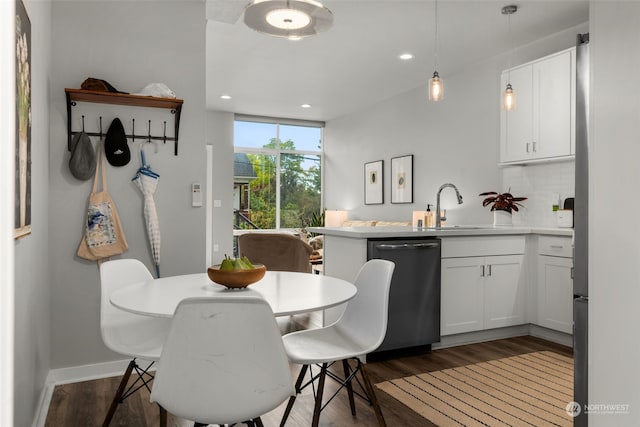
(104, 236)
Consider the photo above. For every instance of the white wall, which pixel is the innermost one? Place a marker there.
(129, 44)
(456, 140)
(7, 167)
(33, 285)
(614, 250)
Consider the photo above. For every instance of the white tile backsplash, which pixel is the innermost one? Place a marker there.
(540, 183)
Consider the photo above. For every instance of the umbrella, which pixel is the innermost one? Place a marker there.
(147, 182)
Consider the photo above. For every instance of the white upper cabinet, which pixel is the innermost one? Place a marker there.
(541, 127)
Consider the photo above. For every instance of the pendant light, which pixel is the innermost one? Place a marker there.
(291, 19)
(509, 96)
(436, 85)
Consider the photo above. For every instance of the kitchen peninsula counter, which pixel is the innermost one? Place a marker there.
(452, 231)
(509, 254)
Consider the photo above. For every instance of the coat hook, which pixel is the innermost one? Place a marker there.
(83, 123)
(133, 130)
(100, 127)
(149, 132)
(165, 133)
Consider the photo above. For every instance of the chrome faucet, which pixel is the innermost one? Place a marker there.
(442, 187)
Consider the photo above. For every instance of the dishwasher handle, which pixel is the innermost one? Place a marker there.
(401, 246)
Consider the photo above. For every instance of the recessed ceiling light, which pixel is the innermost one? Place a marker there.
(225, 96)
(306, 105)
(406, 56)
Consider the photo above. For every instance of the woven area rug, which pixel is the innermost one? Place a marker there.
(527, 390)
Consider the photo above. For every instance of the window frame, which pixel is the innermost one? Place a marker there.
(278, 152)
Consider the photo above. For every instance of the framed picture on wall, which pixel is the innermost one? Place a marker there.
(373, 178)
(23, 123)
(402, 179)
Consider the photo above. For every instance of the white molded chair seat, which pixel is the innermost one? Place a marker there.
(360, 330)
(223, 362)
(127, 333)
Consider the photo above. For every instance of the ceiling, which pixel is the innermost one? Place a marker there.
(355, 64)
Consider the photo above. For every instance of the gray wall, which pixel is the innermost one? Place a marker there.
(455, 140)
(32, 281)
(129, 44)
(220, 136)
(614, 247)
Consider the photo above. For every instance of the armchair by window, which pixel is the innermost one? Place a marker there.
(277, 251)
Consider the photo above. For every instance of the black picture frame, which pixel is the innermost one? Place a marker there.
(373, 183)
(402, 179)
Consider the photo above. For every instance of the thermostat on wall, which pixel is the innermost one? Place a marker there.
(196, 195)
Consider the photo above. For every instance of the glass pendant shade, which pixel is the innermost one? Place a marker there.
(436, 88)
(509, 98)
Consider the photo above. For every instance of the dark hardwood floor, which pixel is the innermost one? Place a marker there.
(85, 404)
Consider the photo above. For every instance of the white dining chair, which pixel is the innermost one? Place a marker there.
(359, 331)
(138, 337)
(223, 362)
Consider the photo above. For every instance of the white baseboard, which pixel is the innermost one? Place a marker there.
(502, 333)
(481, 336)
(75, 374)
(43, 405)
(551, 335)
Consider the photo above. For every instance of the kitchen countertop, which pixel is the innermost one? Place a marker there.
(447, 231)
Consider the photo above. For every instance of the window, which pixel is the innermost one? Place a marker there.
(277, 173)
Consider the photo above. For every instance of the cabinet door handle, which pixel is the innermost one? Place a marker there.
(571, 273)
(556, 246)
(527, 147)
(489, 270)
(534, 146)
(482, 275)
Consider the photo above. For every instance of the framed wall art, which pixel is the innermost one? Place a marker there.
(402, 179)
(23, 123)
(373, 178)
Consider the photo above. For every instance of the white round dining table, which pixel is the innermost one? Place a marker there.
(286, 292)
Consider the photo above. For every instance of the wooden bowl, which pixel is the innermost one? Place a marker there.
(236, 278)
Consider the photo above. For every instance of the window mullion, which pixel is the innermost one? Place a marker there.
(278, 170)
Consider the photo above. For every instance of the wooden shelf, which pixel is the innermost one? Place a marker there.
(80, 95)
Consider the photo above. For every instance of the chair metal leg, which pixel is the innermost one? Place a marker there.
(258, 422)
(318, 406)
(372, 395)
(292, 399)
(163, 416)
(118, 395)
(345, 366)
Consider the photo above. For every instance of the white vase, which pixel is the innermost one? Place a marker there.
(502, 218)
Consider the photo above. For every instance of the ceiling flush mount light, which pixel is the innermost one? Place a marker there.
(509, 96)
(406, 56)
(306, 105)
(225, 96)
(292, 19)
(436, 86)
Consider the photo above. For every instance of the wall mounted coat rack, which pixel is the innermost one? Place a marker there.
(81, 95)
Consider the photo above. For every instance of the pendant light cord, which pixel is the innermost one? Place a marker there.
(435, 56)
(510, 48)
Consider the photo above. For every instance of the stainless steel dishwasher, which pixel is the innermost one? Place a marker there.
(414, 298)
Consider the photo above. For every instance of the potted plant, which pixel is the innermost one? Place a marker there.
(502, 205)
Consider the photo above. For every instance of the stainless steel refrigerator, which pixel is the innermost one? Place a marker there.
(581, 232)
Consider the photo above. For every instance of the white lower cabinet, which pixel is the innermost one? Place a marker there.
(482, 292)
(555, 286)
